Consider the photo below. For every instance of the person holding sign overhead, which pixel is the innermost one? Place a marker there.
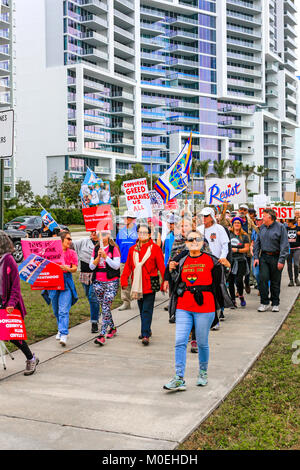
(10, 295)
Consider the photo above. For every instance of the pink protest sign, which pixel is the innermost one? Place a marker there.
(12, 326)
(48, 249)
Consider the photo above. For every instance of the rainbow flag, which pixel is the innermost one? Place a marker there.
(177, 177)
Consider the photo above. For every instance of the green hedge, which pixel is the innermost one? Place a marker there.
(62, 216)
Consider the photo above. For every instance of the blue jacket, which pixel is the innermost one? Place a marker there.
(168, 246)
(125, 240)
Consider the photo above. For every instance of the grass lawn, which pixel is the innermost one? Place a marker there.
(262, 412)
(40, 321)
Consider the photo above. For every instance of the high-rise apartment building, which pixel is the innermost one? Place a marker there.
(6, 80)
(108, 83)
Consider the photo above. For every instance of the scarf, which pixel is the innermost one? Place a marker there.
(137, 284)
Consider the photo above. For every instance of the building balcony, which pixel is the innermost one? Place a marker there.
(291, 100)
(242, 71)
(243, 58)
(94, 6)
(271, 93)
(153, 145)
(247, 20)
(154, 29)
(94, 39)
(4, 37)
(289, 18)
(151, 14)
(291, 112)
(241, 150)
(152, 43)
(123, 66)
(122, 111)
(287, 155)
(243, 45)
(271, 80)
(187, 50)
(120, 19)
(94, 119)
(271, 130)
(91, 86)
(177, 104)
(123, 51)
(241, 137)
(125, 6)
(152, 72)
(151, 115)
(286, 132)
(182, 36)
(290, 65)
(94, 22)
(271, 142)
(290, 54)
(150, 130)
(271, 154)
(243, 32)
(4, 68)
(122, 96)
(236, 109)
(269, 179)
(286, 144)
(95, 55)
(235, 123)
(123, 35)
(244, 84)
(182, 63)
(4, 21)
(184, 77)
(182, 21)
(244, 6)
(152, 58)
(289, 30)
(290, 6)
(184, 119)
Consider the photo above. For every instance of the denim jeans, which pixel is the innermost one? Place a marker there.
(146, 305)
(184, 323)
(255, 270)
(61, 301)
(94, 305)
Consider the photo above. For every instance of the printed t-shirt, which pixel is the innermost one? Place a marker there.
(293, 237)
(217, 239)
(238, 242)
(197, 272)
(70, 258)
(102, 277)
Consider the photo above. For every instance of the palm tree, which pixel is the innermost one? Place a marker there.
(248, 170)
(236, 168)
(203, 167)
(261, 172)
(220, 167)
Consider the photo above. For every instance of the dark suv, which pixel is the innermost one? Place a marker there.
(16, 236)
(30, 224)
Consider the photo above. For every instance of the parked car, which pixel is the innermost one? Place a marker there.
(30, 224)
(16, 236)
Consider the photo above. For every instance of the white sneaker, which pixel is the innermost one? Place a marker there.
(57, 337)
(216, 327)
(125, 306)
(263, 308)
(275, 308)
(63, 339)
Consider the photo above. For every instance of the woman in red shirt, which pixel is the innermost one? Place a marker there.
(144, 261)
(195, 304)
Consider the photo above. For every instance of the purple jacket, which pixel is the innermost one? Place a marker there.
(10, 283)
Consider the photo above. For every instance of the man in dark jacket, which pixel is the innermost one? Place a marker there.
(271, 249)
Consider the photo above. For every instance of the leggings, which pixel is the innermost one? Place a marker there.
(294, 255)
(23, 346)
(237, 279)
(106, 292)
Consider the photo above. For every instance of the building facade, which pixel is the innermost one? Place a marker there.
(108, 83)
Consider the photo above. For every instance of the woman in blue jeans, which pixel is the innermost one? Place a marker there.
(198, 281)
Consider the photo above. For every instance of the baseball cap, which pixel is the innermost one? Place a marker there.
(244, 206)
(129, 214)
(208, 211)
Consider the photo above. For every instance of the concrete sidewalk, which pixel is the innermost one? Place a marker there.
(86, 397)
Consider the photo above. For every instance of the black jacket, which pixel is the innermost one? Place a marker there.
(222, 298)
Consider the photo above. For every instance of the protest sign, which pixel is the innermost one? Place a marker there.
(261, 200)
(97, 218)
(94, 191)
(232, 190)
(156, 200)
(49, 249)
(172, 205)
(48, 220)
(282, 212)
(137, 197)
(12, 326)
(41, 273)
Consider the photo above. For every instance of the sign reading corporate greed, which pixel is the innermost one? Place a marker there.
(231, 190)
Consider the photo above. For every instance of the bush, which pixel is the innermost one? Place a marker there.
(62, 216)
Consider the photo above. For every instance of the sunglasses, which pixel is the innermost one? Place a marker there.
(69, 239)
(197, 239)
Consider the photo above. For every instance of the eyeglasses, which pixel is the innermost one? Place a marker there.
(197, 239)
(143, 233)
